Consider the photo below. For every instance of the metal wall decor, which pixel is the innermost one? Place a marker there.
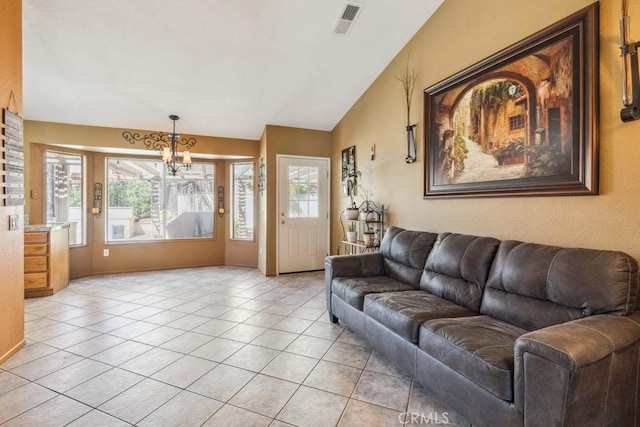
(220, 200)
(630, 72)
(167, 144)
(12, 160)
(411, 144)
(262, 177)
(408, 77)
(97, 200)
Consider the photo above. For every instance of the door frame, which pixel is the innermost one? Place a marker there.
(278, 200)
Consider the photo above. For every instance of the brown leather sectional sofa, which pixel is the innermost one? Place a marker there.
(504, 332)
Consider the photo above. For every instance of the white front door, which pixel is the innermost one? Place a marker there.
(303, 213)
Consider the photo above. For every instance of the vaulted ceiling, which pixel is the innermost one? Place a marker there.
(226, 67)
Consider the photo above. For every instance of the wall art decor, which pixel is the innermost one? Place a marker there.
(521, 122)
(349, 171)
(408, 76)
(12, 159)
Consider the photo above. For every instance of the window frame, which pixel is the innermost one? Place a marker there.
(517, 122)
(165, 178)
(84, 217)
(305, 203)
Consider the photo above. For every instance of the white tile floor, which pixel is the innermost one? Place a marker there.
(216, 346)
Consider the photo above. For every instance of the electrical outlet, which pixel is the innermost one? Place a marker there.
(105, 252)
(13, 222)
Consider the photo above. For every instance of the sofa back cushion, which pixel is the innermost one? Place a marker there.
(458, 267)
(534, 286)
(404, 253)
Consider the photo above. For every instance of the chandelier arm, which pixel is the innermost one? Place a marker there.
(172, 168)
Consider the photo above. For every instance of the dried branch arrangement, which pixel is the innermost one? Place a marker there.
(408, 77)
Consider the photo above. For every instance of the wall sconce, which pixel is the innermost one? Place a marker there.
(97, 200)
(221, 201)
(262, 176)
(630, 75)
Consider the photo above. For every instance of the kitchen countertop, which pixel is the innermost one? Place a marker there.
(45, 227)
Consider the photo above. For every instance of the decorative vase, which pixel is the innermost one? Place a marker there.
(351, 213)
(411, 145)
(352, 236)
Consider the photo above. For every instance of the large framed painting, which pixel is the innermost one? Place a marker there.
(521, 122)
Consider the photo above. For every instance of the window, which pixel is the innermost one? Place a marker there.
(145, 203)
(516, 122)
(303, 191)
(242, 203)
(65, 189)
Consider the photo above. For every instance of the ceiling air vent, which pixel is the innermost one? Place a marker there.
(346, 19)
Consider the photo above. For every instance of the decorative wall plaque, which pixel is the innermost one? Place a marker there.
(12, 160)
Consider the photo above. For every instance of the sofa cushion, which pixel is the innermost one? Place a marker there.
(403, 312)
(457, 268)
(534, 286)
(352, 290)
(479, 348)
(404, 253)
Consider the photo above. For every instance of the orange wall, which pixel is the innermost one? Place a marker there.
(11, 242)
(135, 256)
(461, 33)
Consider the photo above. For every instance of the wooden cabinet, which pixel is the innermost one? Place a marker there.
(46, 260)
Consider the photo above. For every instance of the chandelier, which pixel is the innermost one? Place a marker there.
(167, 143)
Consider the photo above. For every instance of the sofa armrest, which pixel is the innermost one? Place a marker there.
(358, 265)
(586, 369)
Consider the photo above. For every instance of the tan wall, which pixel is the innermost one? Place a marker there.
(284, 140)
(12, 246)
(461, 33)
(134, 256)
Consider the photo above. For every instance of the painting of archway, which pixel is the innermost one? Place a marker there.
(522, 122)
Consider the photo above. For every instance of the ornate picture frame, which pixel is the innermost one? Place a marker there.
(521, 122)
